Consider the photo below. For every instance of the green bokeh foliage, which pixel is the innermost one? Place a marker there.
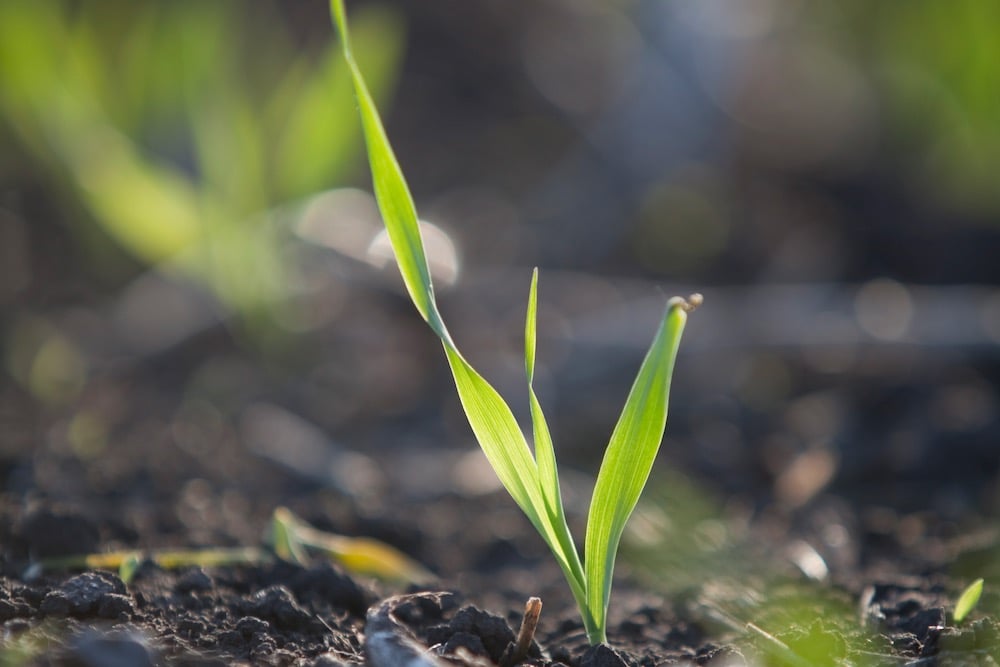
(175, 128)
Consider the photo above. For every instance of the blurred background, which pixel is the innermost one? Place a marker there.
(193, 285)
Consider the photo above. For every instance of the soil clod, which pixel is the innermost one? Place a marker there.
(602, 655)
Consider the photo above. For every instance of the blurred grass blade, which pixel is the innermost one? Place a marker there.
(128, 568)
(151, 209)
(968, 600)
(361, 555)
(629, 458)
(127, 562)
(311, 152)
(284, 539)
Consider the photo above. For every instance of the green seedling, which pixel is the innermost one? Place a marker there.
(127, 562)
(291, 539)
(531, 478)
(968, 600)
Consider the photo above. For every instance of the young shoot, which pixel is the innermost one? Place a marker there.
(530, 476)
(968, 600)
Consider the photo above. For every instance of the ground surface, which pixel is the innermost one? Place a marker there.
(703, 579)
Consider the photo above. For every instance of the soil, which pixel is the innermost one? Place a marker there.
(840, 577)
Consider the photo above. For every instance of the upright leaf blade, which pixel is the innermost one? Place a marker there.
(544, 451)
(530, 336)
(968, 600)
(629, 459)
(545, 457)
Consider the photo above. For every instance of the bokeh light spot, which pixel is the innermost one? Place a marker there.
(884, 309)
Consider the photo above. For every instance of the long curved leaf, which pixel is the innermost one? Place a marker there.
(545, 457)
(490, 417)
(391, 190)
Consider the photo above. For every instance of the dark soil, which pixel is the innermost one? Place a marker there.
(726, 584)
(286, 614)
(779, 552)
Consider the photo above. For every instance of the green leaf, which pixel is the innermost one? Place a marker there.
(530, 336)
(629, 459)
(284, 539)
(548, 474)
(968, 600)
(391, 190)
(129, 566)
(497, 432)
